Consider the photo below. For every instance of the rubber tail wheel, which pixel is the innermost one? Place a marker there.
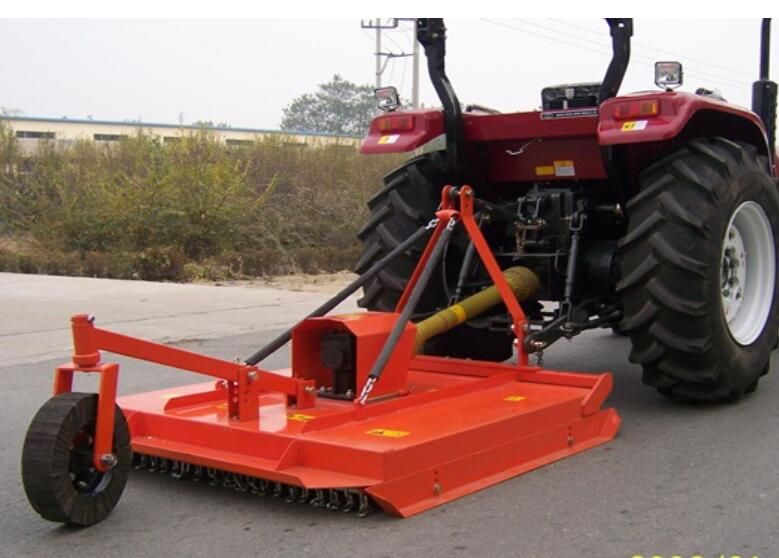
(57, 472)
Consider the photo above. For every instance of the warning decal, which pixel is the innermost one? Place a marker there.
(564, 168)
(514, 398)
(634, 125)
(299, 417)
(383, 140)
(545, 171)
(386, 433)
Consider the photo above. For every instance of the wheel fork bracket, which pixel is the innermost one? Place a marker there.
(241, 383)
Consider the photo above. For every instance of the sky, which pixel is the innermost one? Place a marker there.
(243, 72)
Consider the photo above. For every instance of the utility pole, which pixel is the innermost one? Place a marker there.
(378, 53)
(378, 26)
(381, 66)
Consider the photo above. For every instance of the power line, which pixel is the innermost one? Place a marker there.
(403, 75)
(393, 41)
(661, 50)
(507, 26)
(392, 70)
(701, 74)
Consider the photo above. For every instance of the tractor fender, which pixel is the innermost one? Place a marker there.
(680, 115)
(402, 131)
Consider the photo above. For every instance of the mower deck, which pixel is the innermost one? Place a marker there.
(462, 426)
(360, 417)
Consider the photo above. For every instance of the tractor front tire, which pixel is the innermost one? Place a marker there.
(699, 270)
(408, 200)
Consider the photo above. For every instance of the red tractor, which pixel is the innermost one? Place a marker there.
(653, 213)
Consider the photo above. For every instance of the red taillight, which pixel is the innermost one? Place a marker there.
(636, 109)
(395, 123)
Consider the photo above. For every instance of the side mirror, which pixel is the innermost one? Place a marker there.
(387, 98)
(668, 75)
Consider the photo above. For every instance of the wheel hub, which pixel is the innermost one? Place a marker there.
(734, 273)
(85, 478)
(747, 272)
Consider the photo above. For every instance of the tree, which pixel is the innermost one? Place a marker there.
(11, 112)
(337, 107)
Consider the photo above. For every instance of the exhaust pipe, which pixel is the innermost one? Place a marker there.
(523, 282)
(764, 91)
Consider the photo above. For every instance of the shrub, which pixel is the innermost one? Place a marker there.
(194, 209)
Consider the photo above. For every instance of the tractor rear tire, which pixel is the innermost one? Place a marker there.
(408, 200)
(699, 264)
(57, 472)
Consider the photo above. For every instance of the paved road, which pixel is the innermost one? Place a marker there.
(678, 480)
(36, 310)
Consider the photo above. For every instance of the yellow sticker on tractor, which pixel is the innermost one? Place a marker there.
(383, 140)
(564, 168)
(300, 417)
(545, 171)
(514, 398)
(386, 433)
(634, 126)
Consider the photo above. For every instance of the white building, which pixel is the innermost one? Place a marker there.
(30, 131)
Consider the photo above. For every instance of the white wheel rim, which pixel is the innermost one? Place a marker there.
(747, 272)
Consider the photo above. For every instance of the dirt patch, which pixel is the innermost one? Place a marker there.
(15, 244)
(327, 283)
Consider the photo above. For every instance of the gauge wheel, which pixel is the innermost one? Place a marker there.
(59, 477)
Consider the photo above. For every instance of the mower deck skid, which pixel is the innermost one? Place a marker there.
(462, 426)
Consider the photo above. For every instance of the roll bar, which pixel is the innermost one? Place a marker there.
(621, 29)
(431, 34)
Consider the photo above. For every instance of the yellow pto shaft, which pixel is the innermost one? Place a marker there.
(522, 281)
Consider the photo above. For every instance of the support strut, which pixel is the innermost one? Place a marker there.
(430, 264)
